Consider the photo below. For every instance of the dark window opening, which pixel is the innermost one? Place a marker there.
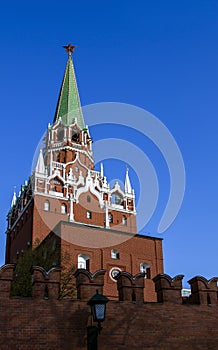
(75, 137)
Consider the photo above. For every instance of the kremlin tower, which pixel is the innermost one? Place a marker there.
(68, 207)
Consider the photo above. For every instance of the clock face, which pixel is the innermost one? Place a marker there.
(114, 272)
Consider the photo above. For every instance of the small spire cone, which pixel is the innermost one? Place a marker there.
(14, 198)
(127, 185)
(40, 166)
(102, 171)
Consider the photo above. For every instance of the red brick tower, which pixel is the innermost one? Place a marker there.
(68, 204)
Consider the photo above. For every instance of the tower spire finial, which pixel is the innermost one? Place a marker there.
(69, 48)
(68, 109)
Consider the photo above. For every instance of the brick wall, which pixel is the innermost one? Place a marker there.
(46, 324)
(133, 250)
(38, 323)
(35, 223)
(20, 238)
(76, 239)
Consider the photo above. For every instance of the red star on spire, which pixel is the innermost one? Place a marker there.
(69, 48)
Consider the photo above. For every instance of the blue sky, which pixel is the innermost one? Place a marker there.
(158, 55)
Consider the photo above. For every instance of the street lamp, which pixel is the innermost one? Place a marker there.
(98, 309)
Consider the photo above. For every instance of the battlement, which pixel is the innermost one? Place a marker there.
(130, 288)
(53, 323)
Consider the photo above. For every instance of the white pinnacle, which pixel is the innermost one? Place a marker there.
(14, 199)
(127, 185)
(40, 166)
(102, 171)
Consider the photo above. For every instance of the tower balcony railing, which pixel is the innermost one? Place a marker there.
(73, 146)
(56, 144)
(60, 144)
(76, 145)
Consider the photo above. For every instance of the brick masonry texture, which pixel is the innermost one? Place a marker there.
(132, 251)
(38, 323)
(61, 324)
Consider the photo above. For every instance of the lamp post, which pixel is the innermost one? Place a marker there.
(98, 309)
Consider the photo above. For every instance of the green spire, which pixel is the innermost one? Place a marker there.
(68, 106)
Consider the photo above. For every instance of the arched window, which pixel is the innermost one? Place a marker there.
(124, 220)
(88, 214)
(88, 199)
(145, 268)
(110, 217)
(63, 208)
(116, 199)
(47, 205)
(115, 254)
(83, 261)
(75, 135)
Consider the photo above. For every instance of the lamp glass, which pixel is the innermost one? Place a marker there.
(98, 311)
